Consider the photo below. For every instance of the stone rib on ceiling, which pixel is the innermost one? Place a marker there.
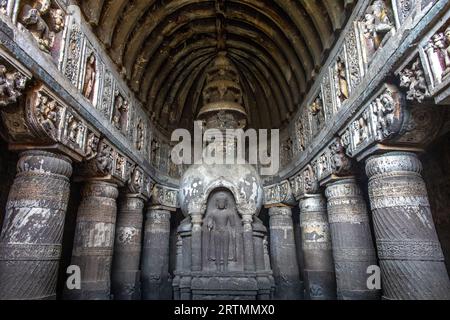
(164, 46)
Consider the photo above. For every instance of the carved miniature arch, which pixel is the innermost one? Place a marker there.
(223, 184)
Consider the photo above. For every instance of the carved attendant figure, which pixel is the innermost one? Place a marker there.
(342, 81)
(447, 53)
(11, 85)
(90, 77)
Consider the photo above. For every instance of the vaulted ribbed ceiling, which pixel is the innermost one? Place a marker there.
(163, 47)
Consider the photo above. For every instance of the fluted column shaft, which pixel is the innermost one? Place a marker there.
(155, 258)
(94, 240)
(127, 248)
(411, 259)
(283, 254)
(320, 280)
(353, 248)
(31, 238)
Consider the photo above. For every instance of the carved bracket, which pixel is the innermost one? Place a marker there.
(279, 194)
(165, 196)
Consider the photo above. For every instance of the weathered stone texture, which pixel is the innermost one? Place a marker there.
(155, 256)
(30, 242)
(94, 240)
(283, 255)
(320, 280)
(353, 248)
(127, 249)
(411, 259)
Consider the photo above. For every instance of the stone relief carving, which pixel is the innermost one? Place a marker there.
(299, 136)
(120, 114)
(286, 152)
(221, 220)
(92, 146)
(305, 182)
(43, 19)
(327, 97)
(73, 54)
(90, 77)
(105, 158)
(155, 153)
(165, 196)
(437, 51)
(340, 164)
(107, 96)
(48, 112)
(353, 56)
(12, 84)
(413, 79)
(376, 25)
(75, 131)
(136, 181)
(280, 193)
(384, 108)
(317, 114)
(140, 135)
(341, 81)
(380, 120)
(404, 8)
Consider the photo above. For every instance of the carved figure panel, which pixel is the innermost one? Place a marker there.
(437, 51)
(89, 90)
(120, 113)
(377, 24)
(412, 79)
(44, 19)
(12, 84)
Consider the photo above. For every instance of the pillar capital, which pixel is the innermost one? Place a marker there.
(391, 162)
(279, 195)
(44, 162)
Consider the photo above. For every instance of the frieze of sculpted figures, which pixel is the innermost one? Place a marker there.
(45, 120)
(412, 79)
(434, 52)
(377, 121)
(83, 62)
(165, 196)
(305, 182)
(277, 194)
(375, 27)
(331, 163)
(12, 82)
(44, 19)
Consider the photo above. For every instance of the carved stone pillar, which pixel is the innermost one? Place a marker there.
(31, 238)
(94, 240)
(155, 258)
(353, 249)
(283, 254)
(320, 281)
(127, 248)
(411, 259)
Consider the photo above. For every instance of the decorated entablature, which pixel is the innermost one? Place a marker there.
(81, 119)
